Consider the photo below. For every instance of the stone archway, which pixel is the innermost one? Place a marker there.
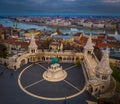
(28, 60)
(90, 88)
(43, 58)
(60, 59)
(22, 62)
(14, 67)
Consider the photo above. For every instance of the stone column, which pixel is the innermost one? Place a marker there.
(75, 59)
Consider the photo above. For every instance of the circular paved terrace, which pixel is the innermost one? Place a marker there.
(31, 81)
(44, 92)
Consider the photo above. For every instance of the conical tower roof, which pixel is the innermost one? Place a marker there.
(32, 44)
(104, 66)
(89, 44)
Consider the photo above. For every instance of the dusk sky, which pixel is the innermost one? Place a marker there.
(60, 6)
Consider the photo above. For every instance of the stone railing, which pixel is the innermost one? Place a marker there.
(96, 59)
(3, 60)
(86, 70)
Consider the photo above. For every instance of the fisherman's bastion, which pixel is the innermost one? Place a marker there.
(97, 74)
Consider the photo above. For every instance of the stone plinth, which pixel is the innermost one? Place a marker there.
(55, 73)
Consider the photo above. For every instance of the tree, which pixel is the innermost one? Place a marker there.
(3, 51)
(45, 44)
(116, 73)
(78, 62)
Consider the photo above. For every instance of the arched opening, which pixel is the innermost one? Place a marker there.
(43, 58)
(96, 89)
(103, 87)
(22, 62)
(33, 51)
(33, 59)
(77, 58)
(97, 75)
(89, 52)
(28, 59)
(15, 67)
(73, 59)
(38, 58)
(90, 89)
(60, 59)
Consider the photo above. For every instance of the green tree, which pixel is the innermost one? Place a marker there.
(3, 51)
(45, 44)
(78, 62)
(116, 73)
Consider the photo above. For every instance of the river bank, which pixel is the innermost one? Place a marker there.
(41, 26)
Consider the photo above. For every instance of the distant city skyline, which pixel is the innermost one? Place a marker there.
(99, 7)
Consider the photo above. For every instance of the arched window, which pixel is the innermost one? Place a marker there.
(104, 77)
(97, 75)
(102, 87)
(96, 89)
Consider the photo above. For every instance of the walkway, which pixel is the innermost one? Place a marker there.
(91, 64)
(92, 61)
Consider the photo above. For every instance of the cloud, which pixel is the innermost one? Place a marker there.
(60, 6)
(111, 1)
(69, 0)
(39, 1)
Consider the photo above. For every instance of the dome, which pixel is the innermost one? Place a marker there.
(54, 60)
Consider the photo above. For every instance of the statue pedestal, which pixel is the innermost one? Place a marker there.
(55, 73)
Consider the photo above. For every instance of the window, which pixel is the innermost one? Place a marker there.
(97, 75)
(96, 89)
(46, 58)
(102, 87)
(104, 77)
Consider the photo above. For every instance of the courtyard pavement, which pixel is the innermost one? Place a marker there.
(10, 92)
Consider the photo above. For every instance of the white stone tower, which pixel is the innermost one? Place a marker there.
(32, 46)
(103, 71)
(88, 48)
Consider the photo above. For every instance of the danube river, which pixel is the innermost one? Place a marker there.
(10, 23)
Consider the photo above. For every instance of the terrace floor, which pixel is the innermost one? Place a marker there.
(37, 90)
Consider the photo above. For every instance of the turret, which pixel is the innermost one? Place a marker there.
(88, 48)
(103, 71)
(32, 46)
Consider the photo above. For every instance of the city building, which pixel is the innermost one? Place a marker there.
(61, 22)
(56, 46)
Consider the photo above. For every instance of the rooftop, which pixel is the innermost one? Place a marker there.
(63, 37)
